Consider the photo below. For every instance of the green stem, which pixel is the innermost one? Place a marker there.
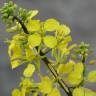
(83, 61)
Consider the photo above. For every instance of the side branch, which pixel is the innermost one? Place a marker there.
(47, 62)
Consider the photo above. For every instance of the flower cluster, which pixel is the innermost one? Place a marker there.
(32, 41)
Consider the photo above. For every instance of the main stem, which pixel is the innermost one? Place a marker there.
(47, 62)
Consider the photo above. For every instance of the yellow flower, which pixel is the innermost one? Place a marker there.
(63, 30)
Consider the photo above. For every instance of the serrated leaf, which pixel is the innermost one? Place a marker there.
(50, 41)
(29, 70)
(34, 40)
(51, 24)
(92, 76)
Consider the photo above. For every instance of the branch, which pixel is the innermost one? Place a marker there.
(22, 24)
(47, 62)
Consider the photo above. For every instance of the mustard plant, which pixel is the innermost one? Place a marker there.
(48, 43)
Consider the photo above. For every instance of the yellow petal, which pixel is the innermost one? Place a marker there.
(51, 25)
(65, 68)
(75, 78)
(15, 50)
(34, 40)
(79, 67)
(54, 92)
(30, 55)
(29, 70)
(50, 41)
(33, 25)
(63, 30)
(92, 76)
(16, 92)
(83, 92)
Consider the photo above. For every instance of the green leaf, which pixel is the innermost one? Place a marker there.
(92, 76)
(34, 40)
(12, 29)
(50, 41)
(29, 70)
(51, 24)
